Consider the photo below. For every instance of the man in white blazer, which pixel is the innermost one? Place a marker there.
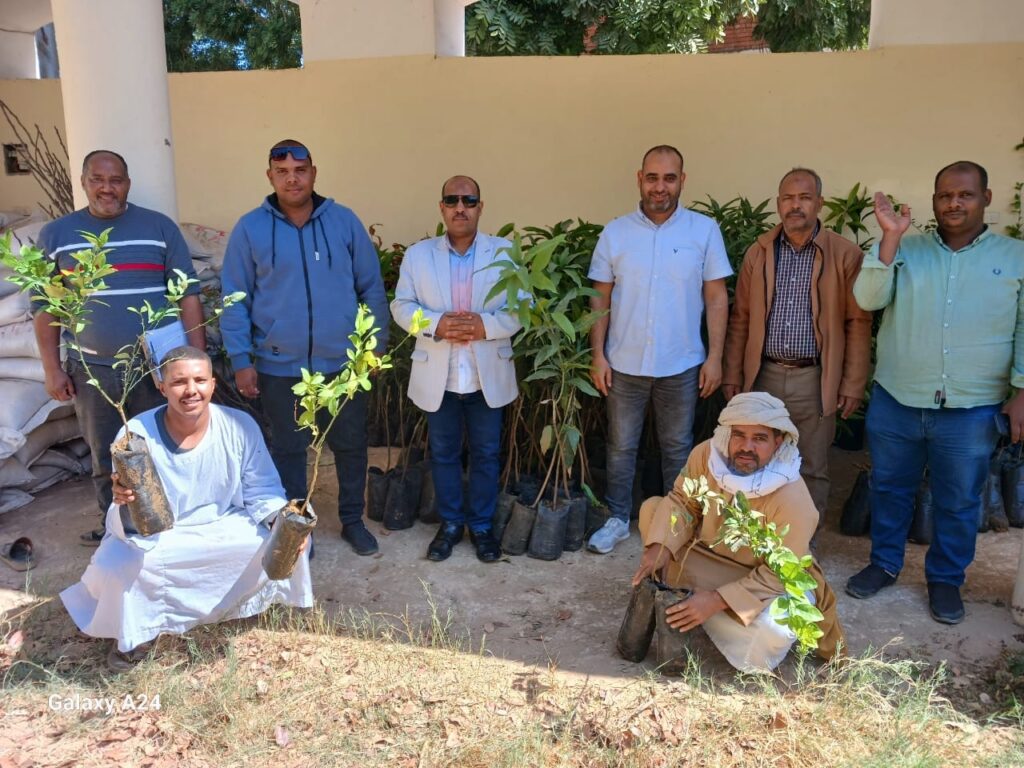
(462, 370)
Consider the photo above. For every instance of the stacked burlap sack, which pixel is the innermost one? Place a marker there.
(206, 245)
(40, 441)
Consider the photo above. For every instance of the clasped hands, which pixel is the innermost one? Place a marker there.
(457, 327)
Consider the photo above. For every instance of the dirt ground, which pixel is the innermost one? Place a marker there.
(565, 613)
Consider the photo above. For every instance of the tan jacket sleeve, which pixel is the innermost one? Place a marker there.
(857, 355)
(739, 324)
(675, 518)
(792, 506)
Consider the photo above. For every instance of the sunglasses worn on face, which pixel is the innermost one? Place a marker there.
(470, 201)
(280, 153)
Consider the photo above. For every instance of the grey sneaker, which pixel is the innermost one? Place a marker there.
(608, 535)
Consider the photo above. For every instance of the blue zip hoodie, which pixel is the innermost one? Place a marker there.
(302, 287)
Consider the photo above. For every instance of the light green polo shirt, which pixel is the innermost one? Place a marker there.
(952, 329)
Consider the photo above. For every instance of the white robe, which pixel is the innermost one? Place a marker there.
(205, 569)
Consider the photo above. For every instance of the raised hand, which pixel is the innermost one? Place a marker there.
(891, 221)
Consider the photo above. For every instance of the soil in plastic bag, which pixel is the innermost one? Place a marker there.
(502, 514)
(516, 538)
(1012, 477)
(856, 517)
(992, 498)
(637, 627)
(403, 498)
(923, 523)
(597, 516)
(576, 525)
(290, 529)
(377, 482)
(548, 536)
(673, 648)
(526, 489)
(150, 512)
(428, 495)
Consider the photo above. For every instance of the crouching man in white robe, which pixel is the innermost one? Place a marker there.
(224, 493)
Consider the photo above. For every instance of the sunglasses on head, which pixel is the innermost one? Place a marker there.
(470, 201)
(280, 153)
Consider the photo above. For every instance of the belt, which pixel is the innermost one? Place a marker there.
(803, 362)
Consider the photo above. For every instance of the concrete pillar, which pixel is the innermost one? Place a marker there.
(114, 86)
(18, 55)
(450, 27)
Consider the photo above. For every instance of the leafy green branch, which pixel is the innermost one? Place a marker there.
(317, 394)
(744, 527)
(68, 294)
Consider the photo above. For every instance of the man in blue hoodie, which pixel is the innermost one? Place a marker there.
(305, 263)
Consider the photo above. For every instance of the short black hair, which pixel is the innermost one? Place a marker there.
(462, 176)
(965, 165)
(184, 352)
(666, 149)
(807, 171)
(91, 155)
(289, 143)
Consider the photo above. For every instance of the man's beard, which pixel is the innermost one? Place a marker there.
(744, 471)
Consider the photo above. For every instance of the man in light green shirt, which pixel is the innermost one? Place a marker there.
(950, 348)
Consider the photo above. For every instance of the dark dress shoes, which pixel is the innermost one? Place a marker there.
(447, 536)
(487, 547)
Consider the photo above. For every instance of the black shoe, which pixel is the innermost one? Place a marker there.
(487, 548)
(447, 536)
(360, 539)
(869, 581)
(944, 603)
(91, 538)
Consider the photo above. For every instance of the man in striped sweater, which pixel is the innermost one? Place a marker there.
(145, 247)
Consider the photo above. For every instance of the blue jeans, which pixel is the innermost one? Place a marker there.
(288, 444)
(674, 400)
(956, 444)
(482, 425)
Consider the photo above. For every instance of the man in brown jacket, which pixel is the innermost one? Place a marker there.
(796, 331)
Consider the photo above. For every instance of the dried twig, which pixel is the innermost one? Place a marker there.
(46, 167)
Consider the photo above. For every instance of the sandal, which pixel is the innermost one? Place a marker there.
(18, 554)
(120, 661)
(91, 538)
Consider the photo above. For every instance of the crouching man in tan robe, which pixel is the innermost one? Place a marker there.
(754, 451)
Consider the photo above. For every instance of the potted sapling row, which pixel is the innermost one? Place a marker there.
(318, 396)
(66, 295)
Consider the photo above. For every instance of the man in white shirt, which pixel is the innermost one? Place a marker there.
(462, 370)
(655, 271)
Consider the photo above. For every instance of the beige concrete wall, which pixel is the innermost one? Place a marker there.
(353, 29)
(557, 138)
(930, 22)
(37, 102)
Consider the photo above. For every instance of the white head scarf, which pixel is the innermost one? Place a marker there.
(784, 466)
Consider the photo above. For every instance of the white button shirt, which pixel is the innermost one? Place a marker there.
(657, 301)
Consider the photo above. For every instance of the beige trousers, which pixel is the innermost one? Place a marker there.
(800, 390)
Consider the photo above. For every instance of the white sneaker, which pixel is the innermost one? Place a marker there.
(611, 533)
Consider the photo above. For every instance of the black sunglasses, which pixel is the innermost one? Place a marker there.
(280, 153)
(470, 201)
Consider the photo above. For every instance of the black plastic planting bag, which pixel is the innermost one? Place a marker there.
(290, 529)
(671, 647)
(516, 538)
(403, 499)
(502, 514)
(637, 627)
(576, 524)
(923, 524)
(992, 498)
(548, 535)
(150, 511)
(428, 496)
(1012, 478)
(377, 481)
(856, 517)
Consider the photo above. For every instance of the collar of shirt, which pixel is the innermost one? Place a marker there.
(985, 233)
(642, 217)
(469, 251)
(810, 240)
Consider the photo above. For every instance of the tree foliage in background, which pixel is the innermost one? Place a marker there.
(209, 35)
(568, 27)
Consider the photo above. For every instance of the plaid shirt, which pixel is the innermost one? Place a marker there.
(790, 332)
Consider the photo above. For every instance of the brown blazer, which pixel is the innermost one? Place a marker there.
(746, 584)
(842, 328)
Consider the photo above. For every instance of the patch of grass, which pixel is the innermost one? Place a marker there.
(301, 688)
